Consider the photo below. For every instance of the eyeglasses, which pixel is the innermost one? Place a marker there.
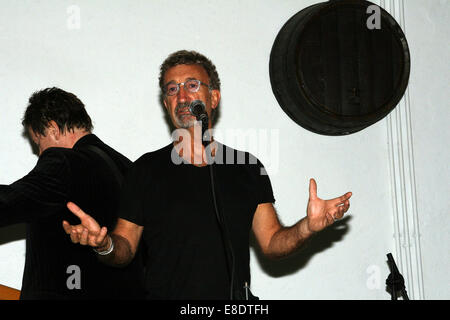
(191, 85)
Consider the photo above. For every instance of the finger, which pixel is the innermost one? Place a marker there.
(312, 189)
(74, 236)
(84, 237)
(346, 205)
(339, 201)
(76, 210)
(101, 237)
(330, 218)
(92, 240)
(339, 214)
(67, 227)
(346, 196)
(78, 228)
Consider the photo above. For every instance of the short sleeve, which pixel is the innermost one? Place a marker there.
(264, 185)
(131, 207)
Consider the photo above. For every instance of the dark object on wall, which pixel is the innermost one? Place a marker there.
(334, 72)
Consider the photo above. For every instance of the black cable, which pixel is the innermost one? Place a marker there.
(197, 108)
(224, 229)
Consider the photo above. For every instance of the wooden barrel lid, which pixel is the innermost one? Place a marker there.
(334, 72)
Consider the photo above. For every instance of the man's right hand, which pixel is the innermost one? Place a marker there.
(88, 232)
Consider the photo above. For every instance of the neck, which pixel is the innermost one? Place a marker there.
(74, 136)
(190, 147)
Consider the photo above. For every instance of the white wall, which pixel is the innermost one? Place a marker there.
(427, 27)
(111, 62)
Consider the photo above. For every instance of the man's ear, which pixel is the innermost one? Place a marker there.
(165, 103)
(53, 130)
(215, 98)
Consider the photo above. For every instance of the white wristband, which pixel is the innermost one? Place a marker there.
(108, 251)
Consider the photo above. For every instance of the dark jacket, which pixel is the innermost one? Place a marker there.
(54, 266)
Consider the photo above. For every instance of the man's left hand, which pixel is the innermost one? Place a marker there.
(322, 213)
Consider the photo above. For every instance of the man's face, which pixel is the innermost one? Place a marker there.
(43, 142)
(52, 138)
(178, 105)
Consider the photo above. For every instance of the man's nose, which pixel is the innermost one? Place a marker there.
(181, 94)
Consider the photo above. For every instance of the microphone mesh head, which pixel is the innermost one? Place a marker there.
(197, 108)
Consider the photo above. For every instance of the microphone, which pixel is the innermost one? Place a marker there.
(198, 109)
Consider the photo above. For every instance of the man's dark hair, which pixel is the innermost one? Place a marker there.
(58, 105)
(190, 57)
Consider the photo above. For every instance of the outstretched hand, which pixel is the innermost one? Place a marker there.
(88, 232)
(322, 213)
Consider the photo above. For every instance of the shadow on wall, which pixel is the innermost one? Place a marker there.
(293, 263)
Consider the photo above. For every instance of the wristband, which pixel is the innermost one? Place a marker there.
(107, 251)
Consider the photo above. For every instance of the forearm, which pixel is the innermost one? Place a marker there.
(16, 207)
(288, 240)
(120, 256)
(9, 201)
(42, 192)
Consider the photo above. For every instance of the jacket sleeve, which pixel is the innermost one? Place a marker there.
(40, 193)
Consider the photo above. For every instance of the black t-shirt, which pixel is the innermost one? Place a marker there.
(186, 258)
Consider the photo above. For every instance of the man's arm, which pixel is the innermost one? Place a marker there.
(122, 242)
(41, 192)
(277, 241)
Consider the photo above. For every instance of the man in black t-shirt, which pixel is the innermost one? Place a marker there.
(194, 210)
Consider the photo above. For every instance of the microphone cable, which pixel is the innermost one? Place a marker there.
(197, 108)
(225, 232)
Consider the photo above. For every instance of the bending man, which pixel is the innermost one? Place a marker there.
(73, 164)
